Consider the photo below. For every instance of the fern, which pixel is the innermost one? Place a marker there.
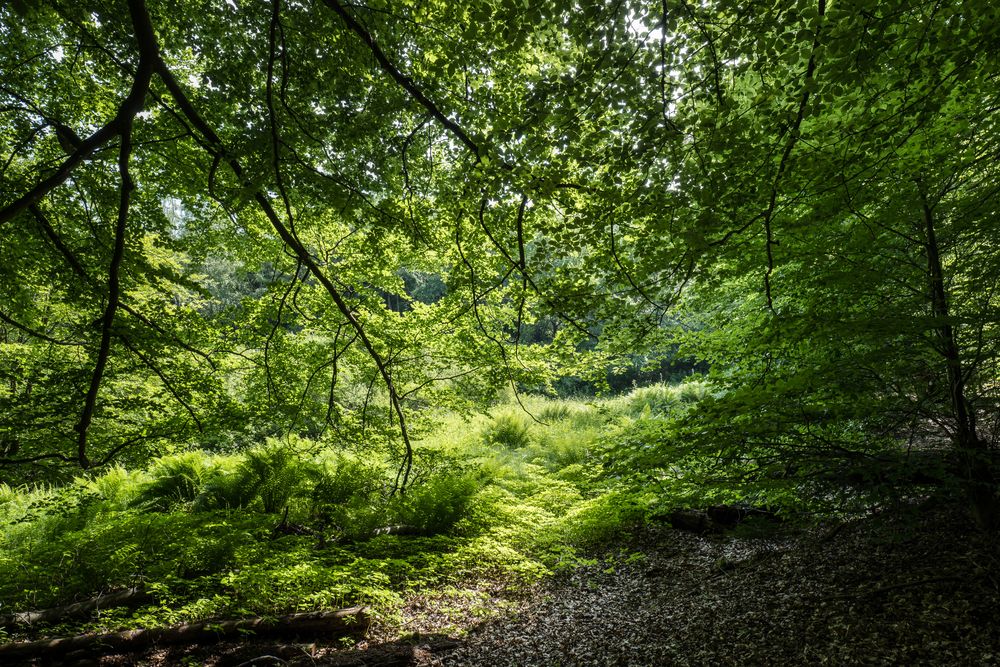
(175, 479)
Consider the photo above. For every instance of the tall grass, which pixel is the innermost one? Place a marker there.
(509, 430)
(661, 400)
(174, 480)
(208, 533)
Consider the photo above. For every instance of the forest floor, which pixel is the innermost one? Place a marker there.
(894, 588)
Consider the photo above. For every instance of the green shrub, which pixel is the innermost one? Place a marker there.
(174, 479)
(693, 391)
(558, 448)
(509, 430)
(656, 400)
(437, 504)
(555, 411)
(574, 473)
(590, 417)
(349, 495)
(225, 490)
(347, 479)
(603, 519)
(116, 486)
(15, 502)
(275, 473)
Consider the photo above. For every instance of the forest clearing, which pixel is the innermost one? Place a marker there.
(499, 332)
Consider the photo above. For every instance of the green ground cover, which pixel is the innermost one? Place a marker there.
(289, 526)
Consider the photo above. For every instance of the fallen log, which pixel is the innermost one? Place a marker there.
(353, 621)
(730, 516)
(401, 530)
(130, 597)
(401, 653)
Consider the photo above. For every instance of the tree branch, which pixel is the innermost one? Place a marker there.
(122, 125)
(793, 137)
(114, 295)
(301, 252)
(127, 110)
(400, 78)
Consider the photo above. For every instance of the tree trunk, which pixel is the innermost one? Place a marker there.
(979, 482)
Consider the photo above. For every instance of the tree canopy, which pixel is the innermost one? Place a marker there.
(222, 219)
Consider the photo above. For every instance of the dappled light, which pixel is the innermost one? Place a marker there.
(499, 332)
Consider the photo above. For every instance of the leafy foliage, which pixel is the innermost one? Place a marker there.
(277, 261)
(221, 541)
(509, 430)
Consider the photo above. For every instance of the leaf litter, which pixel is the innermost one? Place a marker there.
(914, 585)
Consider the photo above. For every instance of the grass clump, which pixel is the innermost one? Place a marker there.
(663, 400)
(437, 504)
(509, 430)
(349, 497)
(555, 411)
(558, 448)
(693, 391)
(274, 474)
(654, 400)
(173, 480)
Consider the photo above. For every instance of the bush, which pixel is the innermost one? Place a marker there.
(116, 486)
(603, 519)
(175, 479)
(555, 411)
(16, 502)
(693, 391)
(509, 430)
(274, 473)
(656, 400)
(348, 495)
(224, 490)
(437, 504)
(347, 479)
(557, 449)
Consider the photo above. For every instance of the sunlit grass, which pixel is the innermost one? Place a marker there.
(288, 526)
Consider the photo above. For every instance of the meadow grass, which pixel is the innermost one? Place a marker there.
(288, 526)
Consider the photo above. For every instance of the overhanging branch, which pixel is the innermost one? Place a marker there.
(127, 110)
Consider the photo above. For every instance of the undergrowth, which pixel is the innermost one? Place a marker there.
(287, 527)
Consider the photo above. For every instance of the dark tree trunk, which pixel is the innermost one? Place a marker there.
(979, 482)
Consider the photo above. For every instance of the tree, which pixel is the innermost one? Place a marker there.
(260, 146)
(837, 175)
(801, 189)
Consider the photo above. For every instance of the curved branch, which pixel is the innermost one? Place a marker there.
(74, 263)
(121, 123)
(4, 317)
(114, 296)
(148, 363)
(460, 134)
(33, 459)
(793, 137)
(400, 78)
(291, 241)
